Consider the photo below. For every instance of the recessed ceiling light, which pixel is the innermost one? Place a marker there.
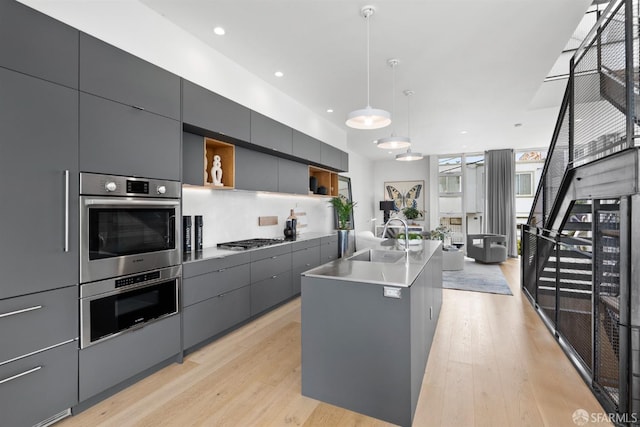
(464, 132)
(329, 110)
(390, 152)
(219, 31)
(278, 74)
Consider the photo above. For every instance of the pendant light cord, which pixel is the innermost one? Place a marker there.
(367, 17)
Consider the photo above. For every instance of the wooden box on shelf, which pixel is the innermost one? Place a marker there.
(325, 178)
(227, 153)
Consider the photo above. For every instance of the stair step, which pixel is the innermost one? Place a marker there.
(567, 276)
(569, 265)
(581, 208)
(576, 226)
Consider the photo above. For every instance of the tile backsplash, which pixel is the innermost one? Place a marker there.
(233, 214)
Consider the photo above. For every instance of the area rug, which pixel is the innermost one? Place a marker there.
(477, 277)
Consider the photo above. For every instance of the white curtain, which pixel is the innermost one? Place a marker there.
(500, 196)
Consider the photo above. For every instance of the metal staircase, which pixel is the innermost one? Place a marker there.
(577, 246)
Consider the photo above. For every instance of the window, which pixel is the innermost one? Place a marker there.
(524, 184)
(450, 183)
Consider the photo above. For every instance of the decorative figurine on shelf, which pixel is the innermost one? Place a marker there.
(216, 171)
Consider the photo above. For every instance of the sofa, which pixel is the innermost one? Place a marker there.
(487, 248)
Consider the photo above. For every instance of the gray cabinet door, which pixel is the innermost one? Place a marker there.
(38, 45)
(121, 140)
(32, 322)
(114, 74)
(270, 267)
(271, 291)
(330, 156)
(110, 362)
(210, 317)
(210, 111)
(48, 386)
(256, 171)
(192, 159)
(204, 266)
(293, 177)
(271, 134)
(306, 147)
(199, 288)
(344, 161)
(38, 142)
(302, 261)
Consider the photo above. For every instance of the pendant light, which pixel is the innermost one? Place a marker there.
(368, 118)
(409, 155)
(393, 142)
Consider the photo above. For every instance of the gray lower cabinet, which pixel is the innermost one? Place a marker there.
(306, 147)
(256, 171)
(38, 387)
(114, 74)
(301, 261)
(270, 291)
(38, 45)
(33, 322)
(108, 363)
(216, 283)
(210, 111)
(39, 163)
(293, 177)
(270, 134)
(214, 315)
(121, 140)
(329, 249)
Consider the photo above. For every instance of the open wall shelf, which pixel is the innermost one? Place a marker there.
(324, 178)
(226, 152)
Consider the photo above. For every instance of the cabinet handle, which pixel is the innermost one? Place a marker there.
(221, 270)
(66, 211)
(15, 377)
(274, 277)
(307, 265)
(274, 257)
(137, 107)
(24, 310)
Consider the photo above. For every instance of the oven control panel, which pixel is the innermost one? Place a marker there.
(114, 185)
(140, 278)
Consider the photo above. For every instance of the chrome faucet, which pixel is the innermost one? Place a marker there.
(406, 231)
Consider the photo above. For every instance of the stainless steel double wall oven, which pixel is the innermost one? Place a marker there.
(130, 253)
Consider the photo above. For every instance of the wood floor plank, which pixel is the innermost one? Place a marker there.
(492, 363)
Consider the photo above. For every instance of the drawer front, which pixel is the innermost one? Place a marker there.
(110, 362)
(208, 318)
(303, 244)
(205, 286)
(309, 258)
(328, 251)
(33, 322)
(114, 74)
(195, 268)
(42, 385)
(296, 279)
(329, 239)
(265, 268)
(269, 292)
(270, 252)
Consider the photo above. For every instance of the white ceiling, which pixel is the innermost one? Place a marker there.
(475, 65)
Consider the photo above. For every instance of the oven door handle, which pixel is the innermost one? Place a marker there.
(127, 201)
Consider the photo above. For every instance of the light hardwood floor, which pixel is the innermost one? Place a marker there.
(492, 363)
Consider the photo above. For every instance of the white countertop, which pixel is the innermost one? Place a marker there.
(401, 273)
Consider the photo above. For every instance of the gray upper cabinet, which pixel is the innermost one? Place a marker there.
(121, 140)
(306, 147)
(330, 156)
(38, 143)
(256, 171)
(293, 177)
(114, 74)
(271, 134)
(344, 161)
(210, 111)
(35, 44)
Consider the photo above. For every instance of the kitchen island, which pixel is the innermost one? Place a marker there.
(367, 326)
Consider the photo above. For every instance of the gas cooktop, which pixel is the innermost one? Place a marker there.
(241, 245)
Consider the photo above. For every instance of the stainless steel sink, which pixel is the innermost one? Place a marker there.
(373, 255)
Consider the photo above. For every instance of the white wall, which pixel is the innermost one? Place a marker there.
(392, 170)
(361, 174)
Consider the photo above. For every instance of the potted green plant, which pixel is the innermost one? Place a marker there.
(343, 208)
(440, 233)
(411, 213)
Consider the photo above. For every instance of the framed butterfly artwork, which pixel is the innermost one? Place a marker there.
(406, 194)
